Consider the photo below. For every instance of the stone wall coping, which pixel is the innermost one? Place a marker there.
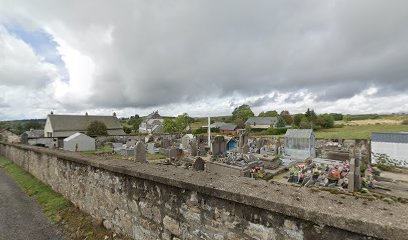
(372, 218)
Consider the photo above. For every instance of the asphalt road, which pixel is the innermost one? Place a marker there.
(20, 216)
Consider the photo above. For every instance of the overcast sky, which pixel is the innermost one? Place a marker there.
(202, 57)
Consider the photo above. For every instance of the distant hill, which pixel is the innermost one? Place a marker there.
(20, 126)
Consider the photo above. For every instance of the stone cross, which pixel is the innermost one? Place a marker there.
(193, 145)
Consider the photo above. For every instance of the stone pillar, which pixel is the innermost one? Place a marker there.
(193, 145)
(357, 173)
(351, 178)
(140, 152)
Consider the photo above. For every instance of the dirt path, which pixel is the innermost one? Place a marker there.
(20, 216)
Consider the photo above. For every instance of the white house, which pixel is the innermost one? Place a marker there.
(389, 148)
(60, 126)
(79, 142)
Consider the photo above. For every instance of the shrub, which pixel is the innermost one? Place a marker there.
(276, 131)
(405, 122)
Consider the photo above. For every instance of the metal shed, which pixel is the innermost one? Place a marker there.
(300, 143)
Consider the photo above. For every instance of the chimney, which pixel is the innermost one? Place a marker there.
(52, 113)
(114, 114)
(86, 113)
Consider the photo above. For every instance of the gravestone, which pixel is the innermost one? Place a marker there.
(140, 152)
(193, 147)
(165, 143)
(218, 145)
(199, 164)
(172, 152)
(150, 148)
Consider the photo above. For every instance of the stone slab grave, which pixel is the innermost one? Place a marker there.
(140, 152)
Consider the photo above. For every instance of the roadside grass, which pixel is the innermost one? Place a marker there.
(53, 203)
(74, 223)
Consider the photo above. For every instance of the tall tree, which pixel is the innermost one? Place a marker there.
(286, 117)
(96, 128)
(273, 113)
(243, 112)
(297, 118)
(281, 123)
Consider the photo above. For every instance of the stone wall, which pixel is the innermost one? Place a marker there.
(163, 202)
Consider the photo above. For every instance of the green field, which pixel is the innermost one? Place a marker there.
(360, 131)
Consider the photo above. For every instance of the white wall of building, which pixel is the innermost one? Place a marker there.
(395, 151)
(85, 143)
(48, 132)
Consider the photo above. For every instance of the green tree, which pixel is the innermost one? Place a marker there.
(273, 113)
(169, 126)
(287, 117)
(178, 125)
(127, 130)
(135, 122)
(96, 128)
(325, 121)
(347, 118)
(297, 118)
(304, 123)
(337, 116)
(243, 112)
(281, 123)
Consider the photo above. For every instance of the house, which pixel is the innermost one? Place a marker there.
(152, 123)
(216, 125)
(229, 129)
(79, 142)
(300, 143)
(389, 148)
(36, 137)
(61, 126)
(261, 122)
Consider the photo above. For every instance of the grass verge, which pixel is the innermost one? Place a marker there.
(74, 223)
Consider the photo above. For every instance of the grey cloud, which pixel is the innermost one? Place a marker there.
(164, 52)
(262, 101)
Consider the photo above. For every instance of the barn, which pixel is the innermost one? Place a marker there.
(79, 142)
(389, 148)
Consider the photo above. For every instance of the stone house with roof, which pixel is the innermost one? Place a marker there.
(261, 122)
(152, 123)
(62, 126)
(229, 129)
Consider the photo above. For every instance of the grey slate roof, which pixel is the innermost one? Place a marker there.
(228, 127)
(390, 137)
(35, 133)
(298, 133)
(262, 121)
(80, 123)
